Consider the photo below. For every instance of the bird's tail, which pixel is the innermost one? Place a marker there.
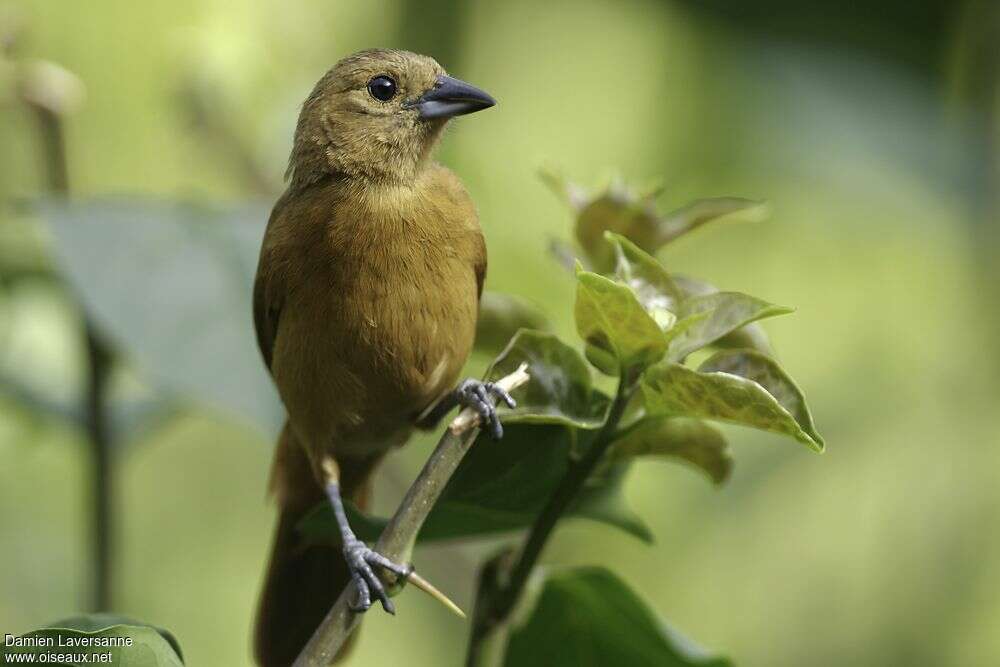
(303, 580)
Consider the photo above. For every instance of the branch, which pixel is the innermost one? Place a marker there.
(400, 534)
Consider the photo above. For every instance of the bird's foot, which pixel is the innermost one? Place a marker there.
(479, 396)
(360, 561)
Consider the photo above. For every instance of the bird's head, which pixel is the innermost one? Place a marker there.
(377, 115)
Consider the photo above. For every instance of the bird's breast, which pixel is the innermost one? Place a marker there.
(401, 303)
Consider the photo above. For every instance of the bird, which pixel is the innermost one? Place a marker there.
(365, 304)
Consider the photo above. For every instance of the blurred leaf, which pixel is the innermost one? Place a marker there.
(587, 616)
(35, 402)
(634, 216)
(560, 390)
(129, 418)
(651, 283)
(748, 336)
(622, 213)
(690, 440)
(702, 320)
(566, 255)
(766, 372)
(570, 193)
(620, 335)
(151, 646)
(498, 487)
(171, 283)
(696, 214)
(672, 389)
(98, 621)
(501, 316)
(603, 499)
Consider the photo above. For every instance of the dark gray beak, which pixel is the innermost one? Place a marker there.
(451, 97)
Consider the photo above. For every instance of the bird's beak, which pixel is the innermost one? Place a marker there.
(451, 97)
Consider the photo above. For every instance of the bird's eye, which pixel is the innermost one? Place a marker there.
(382, 88)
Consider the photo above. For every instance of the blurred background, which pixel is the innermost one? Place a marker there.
(872, 129)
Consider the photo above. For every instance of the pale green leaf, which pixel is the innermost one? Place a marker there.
(620, 335)
(766, 372)
(672, 389)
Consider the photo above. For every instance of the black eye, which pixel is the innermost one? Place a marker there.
(382, 88)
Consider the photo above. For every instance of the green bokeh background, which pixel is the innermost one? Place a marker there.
(872, 132)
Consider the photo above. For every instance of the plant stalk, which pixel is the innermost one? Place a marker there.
(506, 598)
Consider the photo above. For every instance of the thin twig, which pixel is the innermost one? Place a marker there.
(399, 536)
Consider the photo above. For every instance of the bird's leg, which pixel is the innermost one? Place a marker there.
(360, 558)
(474, 394)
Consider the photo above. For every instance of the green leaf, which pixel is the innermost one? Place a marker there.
(694, 215)
(766, 372)
(170, 284)
(561, 389)
(588, 617)
(623, 212)
(478, 501)
(690, 440)
(651, 283)
(749, 336)
(672, 389)
(501, 316)
(150, 646)
(703, 320)
(603, 499)
(620, 212)
(620, 335)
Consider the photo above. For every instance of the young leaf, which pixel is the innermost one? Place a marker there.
(766, 372)
(672, 389)
(149, 646)
(689, 440)
(651, 283)
(501, 316)
(748, 336)
(620, 335)
(702, 320)
(696, 214)
(561, 389)
(619, 212)
(587, 616)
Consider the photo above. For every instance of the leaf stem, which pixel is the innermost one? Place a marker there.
(559, 503)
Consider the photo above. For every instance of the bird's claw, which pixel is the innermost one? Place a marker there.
(479, 396)
(360, 561)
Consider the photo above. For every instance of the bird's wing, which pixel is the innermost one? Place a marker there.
(269, 288)
(479, 262)
(266, 312)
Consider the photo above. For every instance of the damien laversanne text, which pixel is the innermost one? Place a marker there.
(66, 642)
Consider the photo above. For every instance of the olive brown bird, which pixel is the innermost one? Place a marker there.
(365, 305)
